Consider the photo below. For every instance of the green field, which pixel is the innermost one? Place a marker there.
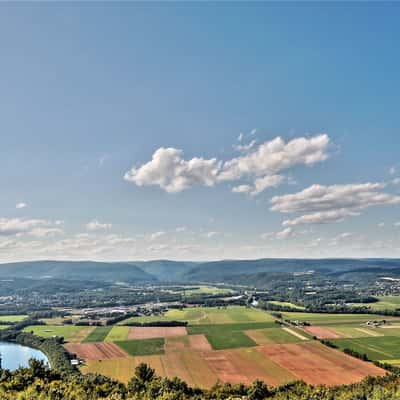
(46, 331)
(98, 335)
(376, 348)
(203, 290)
(117, 333)
(384, 303)
(209, 315)
(12, 318)
(326, 319)
(228, 336)
(144, 347)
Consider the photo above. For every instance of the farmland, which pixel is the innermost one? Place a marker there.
(98, 334)
(234, 344)
(143, 347)
(384, 303)
(12, 318)
(376, 348)
(208, 315)
(69, 332)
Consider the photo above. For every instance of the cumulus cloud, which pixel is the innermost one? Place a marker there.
(96, 226)
(320, 204)
(172, 173)
(260, 184)
(21, 205)
(260, 164)
(17, 226)
(392, 170)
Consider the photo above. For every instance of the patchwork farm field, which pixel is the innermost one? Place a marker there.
(240, 345)
(376, 348)
(142, 347)
(330, 319)
(209, 315)
(70, 333)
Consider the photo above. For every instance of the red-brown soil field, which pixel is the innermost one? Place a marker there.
(96, 351)
(318, 364)
(321, 332)
(156, 332)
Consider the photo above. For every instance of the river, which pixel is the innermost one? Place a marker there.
(14, 355)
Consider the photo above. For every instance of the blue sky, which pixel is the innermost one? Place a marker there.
(89, 92)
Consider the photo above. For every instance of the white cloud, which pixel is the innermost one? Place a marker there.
(241, 136)
(180, 229)
(285, 233)
(96, 226)
(172, 173)
(272, 157)
(381, 225)
(266, 235)
(260, 184)
(261, 165)
(157, 235)
(392, 170)
(17, 226)
(324, 204)
(210, 235)
(21, 205)
(46, 232)
(397, 224)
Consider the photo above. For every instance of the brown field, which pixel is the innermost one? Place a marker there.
(96, 351)
(152, 332)
(199, 342)
(258, 336)
(189, 366)
(80, 335)
(245, 366)
(189, 342)
(318, 364)
(322, 333)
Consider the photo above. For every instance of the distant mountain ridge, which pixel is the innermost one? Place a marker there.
(232, 271)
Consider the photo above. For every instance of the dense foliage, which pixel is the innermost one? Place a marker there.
(40, 383)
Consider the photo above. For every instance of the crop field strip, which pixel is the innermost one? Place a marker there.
(156, 332)
(271, 336)
(376, 348)
(208, 315)
(228, 336)
(96, 351)
(98, 334)
(117, 333)
(68, 332)
(142, 347)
